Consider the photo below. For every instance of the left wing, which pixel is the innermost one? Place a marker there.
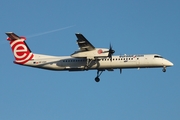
(83, 43)
(87, 50)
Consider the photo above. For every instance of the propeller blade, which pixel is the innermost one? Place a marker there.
(111, 52)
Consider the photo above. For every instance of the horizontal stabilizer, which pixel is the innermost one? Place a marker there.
(13, 36)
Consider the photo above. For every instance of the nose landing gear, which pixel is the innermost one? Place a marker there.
(97, 79)
(164, 69)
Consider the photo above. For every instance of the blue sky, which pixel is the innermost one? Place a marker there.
(132, 27)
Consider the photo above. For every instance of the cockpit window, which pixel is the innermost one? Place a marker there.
(156, 56)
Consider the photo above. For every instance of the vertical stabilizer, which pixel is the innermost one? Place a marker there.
(21, 51)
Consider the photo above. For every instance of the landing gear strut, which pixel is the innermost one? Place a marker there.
(88, 63)
(97, 79)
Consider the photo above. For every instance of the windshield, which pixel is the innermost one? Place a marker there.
(157, 56)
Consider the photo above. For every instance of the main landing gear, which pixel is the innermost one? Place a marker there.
(88, 63)
(97, 79)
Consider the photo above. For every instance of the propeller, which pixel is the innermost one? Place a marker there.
(110, 52)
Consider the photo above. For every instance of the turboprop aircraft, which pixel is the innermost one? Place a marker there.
(86, 58)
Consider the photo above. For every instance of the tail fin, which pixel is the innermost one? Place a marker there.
(21, 51)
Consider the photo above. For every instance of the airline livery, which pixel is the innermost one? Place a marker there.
(86, 58)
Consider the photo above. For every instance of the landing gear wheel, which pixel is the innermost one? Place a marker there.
(97, 79)
(98, 75)
(164, 69)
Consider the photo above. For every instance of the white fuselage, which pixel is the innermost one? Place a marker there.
(118, 62)
(86, 58)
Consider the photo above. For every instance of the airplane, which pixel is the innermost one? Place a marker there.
(86, 58)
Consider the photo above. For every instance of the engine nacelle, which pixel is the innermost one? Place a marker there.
(98, 52)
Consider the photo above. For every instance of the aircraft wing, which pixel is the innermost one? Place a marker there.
(83, 43)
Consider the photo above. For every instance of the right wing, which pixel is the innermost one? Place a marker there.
(83, 43)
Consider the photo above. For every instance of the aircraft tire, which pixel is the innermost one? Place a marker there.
(164, 69)
(97, 79)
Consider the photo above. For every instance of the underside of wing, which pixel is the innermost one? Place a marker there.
(83, 43)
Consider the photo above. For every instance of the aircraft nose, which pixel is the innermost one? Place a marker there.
(168, 63)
